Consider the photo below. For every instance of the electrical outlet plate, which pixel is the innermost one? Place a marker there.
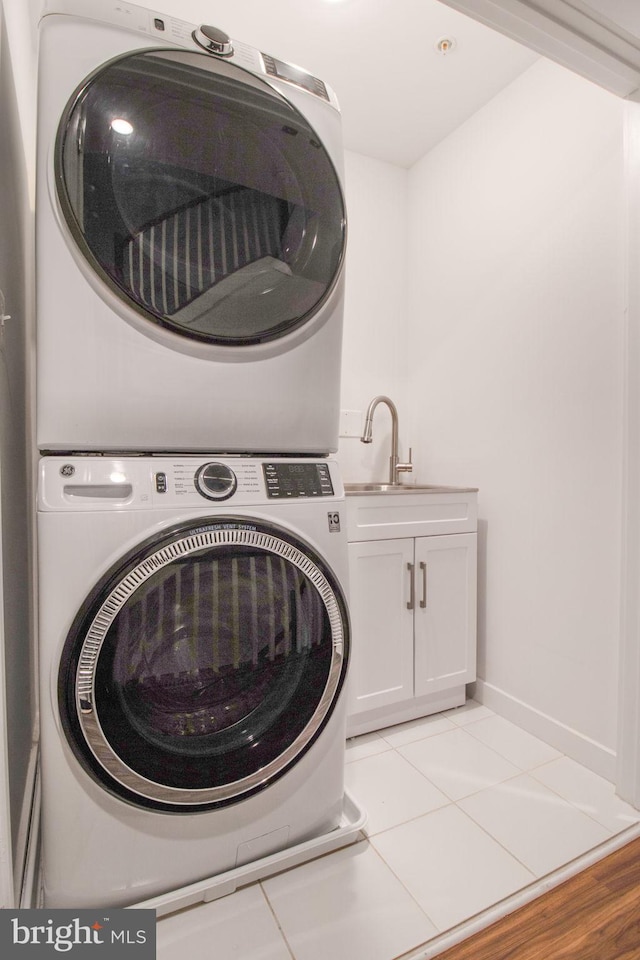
(351, 423)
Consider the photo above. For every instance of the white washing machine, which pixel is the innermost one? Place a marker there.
(193, 648)
(190, 236)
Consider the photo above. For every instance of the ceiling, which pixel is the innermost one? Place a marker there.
(398, 94)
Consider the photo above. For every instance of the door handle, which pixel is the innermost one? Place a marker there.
(412, 588)
(98, 491)
(423, 567)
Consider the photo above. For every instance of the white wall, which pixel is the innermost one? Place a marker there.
(21, 18)
(516, 297)
(375, 359)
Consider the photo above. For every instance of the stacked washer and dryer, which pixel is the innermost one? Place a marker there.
(192, 564)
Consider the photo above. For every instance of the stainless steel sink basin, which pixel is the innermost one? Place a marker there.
(390, 488)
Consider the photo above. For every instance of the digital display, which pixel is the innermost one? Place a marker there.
(285, 71)
(288, 480)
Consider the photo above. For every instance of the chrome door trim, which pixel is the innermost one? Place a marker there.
(203, 538)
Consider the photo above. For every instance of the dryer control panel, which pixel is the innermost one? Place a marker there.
(169, 29)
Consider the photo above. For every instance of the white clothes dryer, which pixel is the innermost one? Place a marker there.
(190, 232)
(194, 643)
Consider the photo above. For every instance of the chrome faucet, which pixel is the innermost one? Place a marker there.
(395, 467)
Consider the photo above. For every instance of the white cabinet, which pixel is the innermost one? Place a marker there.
(445, 612)
(413, 605)
(381, 667)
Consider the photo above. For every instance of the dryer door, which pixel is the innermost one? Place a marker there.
(201, 197)
(204, 666)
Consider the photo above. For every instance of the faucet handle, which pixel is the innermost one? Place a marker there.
(405, 467)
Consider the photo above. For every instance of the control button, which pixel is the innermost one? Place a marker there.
(161, 483)
(215, 481)
(213, 40)
(158, 23)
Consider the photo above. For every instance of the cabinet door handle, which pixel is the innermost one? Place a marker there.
(423, 567)
(412, 588)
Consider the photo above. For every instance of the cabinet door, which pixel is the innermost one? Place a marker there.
(381, 670)
(445, 614)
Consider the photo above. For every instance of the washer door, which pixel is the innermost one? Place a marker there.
(204, 666)
(201, 197)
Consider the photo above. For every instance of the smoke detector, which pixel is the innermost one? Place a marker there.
(445, 45)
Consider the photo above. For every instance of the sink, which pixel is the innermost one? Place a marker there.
(387, 511)
(379, 488)
(392, 488)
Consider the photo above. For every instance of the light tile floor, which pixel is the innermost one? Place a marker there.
(465, 809)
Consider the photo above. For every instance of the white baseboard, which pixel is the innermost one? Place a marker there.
(574, 744)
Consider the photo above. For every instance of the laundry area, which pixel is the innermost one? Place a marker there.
(318, 454)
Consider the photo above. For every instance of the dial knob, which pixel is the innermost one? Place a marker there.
(215, 481)
(213, 40)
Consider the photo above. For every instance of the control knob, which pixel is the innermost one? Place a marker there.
(213, 40)
(215, 481)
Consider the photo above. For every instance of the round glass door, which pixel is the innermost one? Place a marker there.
(205, 666)
(201, 197)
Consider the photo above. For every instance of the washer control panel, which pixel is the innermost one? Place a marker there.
(114, 482)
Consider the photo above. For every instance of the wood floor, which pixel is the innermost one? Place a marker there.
(593, 916)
